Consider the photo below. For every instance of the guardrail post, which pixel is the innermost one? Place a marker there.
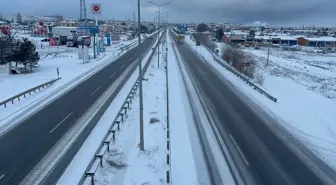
(108, 145)
(113, 134)
(122, 116)
(128, 104)
(91, 176)
(125, 108)
(118, 124)
(100, 159)
(92, 179)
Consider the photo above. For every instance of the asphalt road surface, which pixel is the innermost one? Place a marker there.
(23, 147)
(270, 160)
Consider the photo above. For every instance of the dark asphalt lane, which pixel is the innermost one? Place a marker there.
(22, 147)
(272, 162)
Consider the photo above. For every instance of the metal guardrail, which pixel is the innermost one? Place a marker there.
(244, 78)
(97, 160)
(29, 91)
(239, 75)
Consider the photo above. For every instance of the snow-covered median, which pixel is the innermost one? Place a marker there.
(307, 114)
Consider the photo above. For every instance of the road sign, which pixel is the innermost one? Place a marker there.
(87, 30)
(96, 8)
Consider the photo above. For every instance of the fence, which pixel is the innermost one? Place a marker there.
(238, 74)
(29, 91)
(97, 160)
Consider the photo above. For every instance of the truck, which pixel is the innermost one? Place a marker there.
(64, 34)
(180, 39)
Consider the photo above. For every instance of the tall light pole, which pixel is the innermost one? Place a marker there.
(163, 22)
(159, 6)
(141, 144)
(268, 50)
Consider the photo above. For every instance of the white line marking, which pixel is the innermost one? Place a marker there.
(122, 66)
(211, 104)
(112, 75)
(95, 91)
(52, 130)
(239, 151)
(2, 176)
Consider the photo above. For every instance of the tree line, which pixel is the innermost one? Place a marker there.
(20, 51)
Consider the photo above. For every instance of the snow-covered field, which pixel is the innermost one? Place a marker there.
(317, 72)
(71, 71)
(305, 93)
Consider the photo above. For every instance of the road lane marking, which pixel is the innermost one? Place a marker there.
(95, 90)
(239, 151)
(211, 104)
(122, 66)
(2, 176)
(52, 130)
(112, 75)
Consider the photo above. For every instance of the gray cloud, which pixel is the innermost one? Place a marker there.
(278, 12)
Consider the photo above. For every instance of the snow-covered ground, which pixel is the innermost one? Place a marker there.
(317, 72)
(126, 164)
(305, 106)
(71, 71)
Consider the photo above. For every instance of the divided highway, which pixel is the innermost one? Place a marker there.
(267, 157)
(22, 147)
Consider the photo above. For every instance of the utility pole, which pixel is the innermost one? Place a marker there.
(268, 50)
(159, 6)
(134, 21)
(159, 38)
(141, 144)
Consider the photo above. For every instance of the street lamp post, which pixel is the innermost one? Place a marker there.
(141, 144)
(159, 6)
(162, 18)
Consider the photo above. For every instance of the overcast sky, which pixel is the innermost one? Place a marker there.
(274, 12)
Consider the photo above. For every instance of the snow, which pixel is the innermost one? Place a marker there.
(80, 162)
(312, 70)
(71, 71)
(186, 155)
(148, 167)
(308, 115)
(212, 144)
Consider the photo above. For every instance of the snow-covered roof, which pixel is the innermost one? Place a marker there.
(288, 37)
